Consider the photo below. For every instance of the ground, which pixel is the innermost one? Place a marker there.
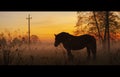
(47, 54)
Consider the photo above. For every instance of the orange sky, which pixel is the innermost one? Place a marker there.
(43, 24)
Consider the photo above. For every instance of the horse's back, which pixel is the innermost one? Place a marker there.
(86, 38)
(79, 42)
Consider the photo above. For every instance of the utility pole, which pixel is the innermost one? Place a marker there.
(29, 28)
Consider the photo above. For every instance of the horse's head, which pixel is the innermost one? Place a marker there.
(60, 38)
(57, 40)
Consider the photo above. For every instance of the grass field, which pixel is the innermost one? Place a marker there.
(47, 54)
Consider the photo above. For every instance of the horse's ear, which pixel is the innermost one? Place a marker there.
(55, 35)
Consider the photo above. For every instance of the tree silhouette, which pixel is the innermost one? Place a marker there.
(101, 24)
(34, 39)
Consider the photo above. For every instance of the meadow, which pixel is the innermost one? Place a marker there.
(45, 53)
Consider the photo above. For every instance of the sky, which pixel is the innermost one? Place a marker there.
(43, 23)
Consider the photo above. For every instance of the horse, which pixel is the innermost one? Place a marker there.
(71, 42)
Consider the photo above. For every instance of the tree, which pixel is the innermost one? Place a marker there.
(97, 25)
(34, 39)
(107, 31)
(81, 25)
(3, 41)
(16, 41)
(102, 24)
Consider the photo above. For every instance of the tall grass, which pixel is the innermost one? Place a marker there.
(46, 54)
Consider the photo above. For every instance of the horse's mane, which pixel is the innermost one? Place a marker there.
(67, 34)
(64, 33)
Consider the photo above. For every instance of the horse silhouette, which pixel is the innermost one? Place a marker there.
(71, 42)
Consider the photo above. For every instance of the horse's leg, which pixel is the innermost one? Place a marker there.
(94, 53)
(70, 55)
(94, 49)
(88, 51)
